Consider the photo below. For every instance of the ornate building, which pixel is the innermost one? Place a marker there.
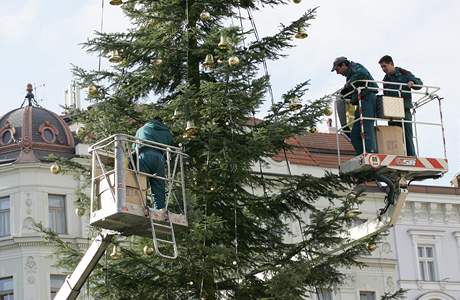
(29, 193)
(421, 254)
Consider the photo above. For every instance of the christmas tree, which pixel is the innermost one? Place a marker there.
(180, 61)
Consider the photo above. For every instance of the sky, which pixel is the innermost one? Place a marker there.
(41, 39)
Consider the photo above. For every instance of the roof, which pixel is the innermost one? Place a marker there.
(31, 133)
(316, 149)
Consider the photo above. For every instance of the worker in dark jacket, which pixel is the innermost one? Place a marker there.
(152, 160)
(396, 74)
(353, 72)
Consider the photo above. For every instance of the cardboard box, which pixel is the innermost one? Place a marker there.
(390, 107)
(390, 140)
(132, 191)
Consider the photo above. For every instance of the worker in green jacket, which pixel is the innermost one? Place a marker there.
(152, 160)
(396, 74)
(354, 71)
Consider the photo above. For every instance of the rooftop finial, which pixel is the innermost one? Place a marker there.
(30, 96)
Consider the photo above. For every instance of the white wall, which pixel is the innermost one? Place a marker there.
(427, 218)
(430, 220)
(24, 255)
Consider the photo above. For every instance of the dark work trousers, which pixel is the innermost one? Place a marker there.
(153, 162)
(410, 149)
(368, 104)
(341, 107)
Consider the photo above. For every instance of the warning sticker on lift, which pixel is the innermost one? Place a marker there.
(408, 162)
(374, 161)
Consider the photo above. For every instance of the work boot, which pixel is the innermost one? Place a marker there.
(160, 214)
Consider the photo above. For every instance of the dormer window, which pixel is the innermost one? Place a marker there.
(48, 132)
(48, 135)
(7, 134)
(7, 137)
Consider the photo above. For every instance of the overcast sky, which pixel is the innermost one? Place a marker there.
(39, 40)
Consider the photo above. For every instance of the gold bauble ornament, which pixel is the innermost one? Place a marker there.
(328, 111)
(92, 91)
(116, 2)
(190, 130)
(81, 131)
(80, 211)
(312, 130)
(371, 246)
(148, 250)
(301, 34)
(208, 61)
(115, 57)
(223, 43)
(296, 1)
(233, 61)
(55, 168)
(205, 15)
(295, 103)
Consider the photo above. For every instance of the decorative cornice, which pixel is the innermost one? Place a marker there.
(25, 242)
(426, 232)
(456, 234)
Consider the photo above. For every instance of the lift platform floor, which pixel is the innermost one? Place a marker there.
(387, 164)
(134, 223)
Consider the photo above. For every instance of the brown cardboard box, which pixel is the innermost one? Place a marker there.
(132, 192)
(390, 140)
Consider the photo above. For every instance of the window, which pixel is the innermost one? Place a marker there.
(57, 218)
(56, 282)
(48, 135)
(7, 137)
(366, 295)
(4, 216)
(426, 262)
(324, 294)
(6, 288)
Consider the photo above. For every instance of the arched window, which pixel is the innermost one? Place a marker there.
(435, 296)
(48, 135)
(7, 137)
(48, 132)
(7, 134)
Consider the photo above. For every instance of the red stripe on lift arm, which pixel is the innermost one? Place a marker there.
(435, 163)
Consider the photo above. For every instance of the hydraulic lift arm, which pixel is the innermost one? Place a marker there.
(385, 219)
(73, 283)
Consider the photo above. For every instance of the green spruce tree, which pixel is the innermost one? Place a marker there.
(181, 62)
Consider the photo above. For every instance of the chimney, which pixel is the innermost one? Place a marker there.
(331, 129)
(456, 180)
(72, 96)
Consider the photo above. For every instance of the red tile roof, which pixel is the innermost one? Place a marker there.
(316, 149)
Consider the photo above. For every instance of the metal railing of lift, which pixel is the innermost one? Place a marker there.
(106, 148)
(424, 95)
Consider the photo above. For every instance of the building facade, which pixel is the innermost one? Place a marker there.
(30, 194)
(421, 254)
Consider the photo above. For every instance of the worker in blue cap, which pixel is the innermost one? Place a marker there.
(354, 71)
(396, 74)
(152, 160)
